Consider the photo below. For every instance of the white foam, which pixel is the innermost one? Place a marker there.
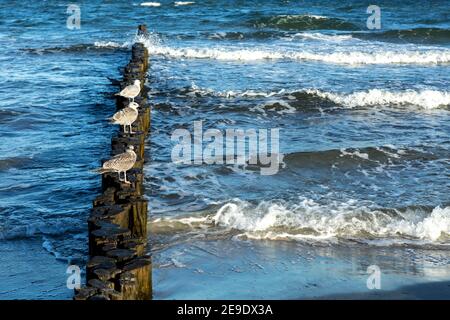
(150, 4)
(280, 19)
(111, 44)
(323, 37)
(183, 3)
(381, 57)
(234, 94)
(355, 153)
(427, 99)
(184, 220)
(308, 220)
(315, 16)
(432, 227)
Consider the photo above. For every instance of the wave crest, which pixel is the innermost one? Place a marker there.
(310, 221)
(303, 22)
(428, 57)
(427, 99)
(309, 98)
(416, 35)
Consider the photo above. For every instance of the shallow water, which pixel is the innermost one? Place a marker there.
(364, 127)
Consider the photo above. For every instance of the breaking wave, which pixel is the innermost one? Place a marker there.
(420, 57)
(308, 220)
(227, 53)
(425, 99)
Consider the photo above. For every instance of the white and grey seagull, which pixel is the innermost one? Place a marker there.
(131, 91)
(120, 163)
(126, 117)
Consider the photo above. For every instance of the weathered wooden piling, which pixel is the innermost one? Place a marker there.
(118, 267)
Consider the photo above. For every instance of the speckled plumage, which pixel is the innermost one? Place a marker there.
(126, 116)
(121, 162)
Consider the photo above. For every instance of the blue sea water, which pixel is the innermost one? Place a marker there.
(364, 127)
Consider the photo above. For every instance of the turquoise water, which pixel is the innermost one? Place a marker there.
(364, 129)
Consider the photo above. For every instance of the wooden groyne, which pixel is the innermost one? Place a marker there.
(118, 267)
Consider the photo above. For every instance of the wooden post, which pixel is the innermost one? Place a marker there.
(118, 267)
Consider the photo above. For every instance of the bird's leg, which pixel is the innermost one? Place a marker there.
(131, 129)
(126, 181)
(120, 179)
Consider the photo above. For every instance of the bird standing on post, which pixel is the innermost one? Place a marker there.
(126, 117)
(131, 91)
(120, 163)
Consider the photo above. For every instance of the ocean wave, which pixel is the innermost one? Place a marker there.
(314, 98)
(303, 22)
(196, 91)
(308, 221)
(419, 57)
(427, 99)
(416, 35)
(237, 35)
(267, 34)
(38, 228)
(374, 156)
(96, 46)
(323, 37)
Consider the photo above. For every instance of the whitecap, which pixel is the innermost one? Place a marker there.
(111, 44)
(419, 57)
(308, 220)
(323, 37)
(150, 4)
(183, 3)
(427, 99)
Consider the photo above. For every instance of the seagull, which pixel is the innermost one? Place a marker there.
(131, 91)
(126, 117)
(120, 163)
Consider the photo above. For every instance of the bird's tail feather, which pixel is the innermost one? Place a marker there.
(100, 171)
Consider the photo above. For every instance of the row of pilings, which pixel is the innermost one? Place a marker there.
(119, 267)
